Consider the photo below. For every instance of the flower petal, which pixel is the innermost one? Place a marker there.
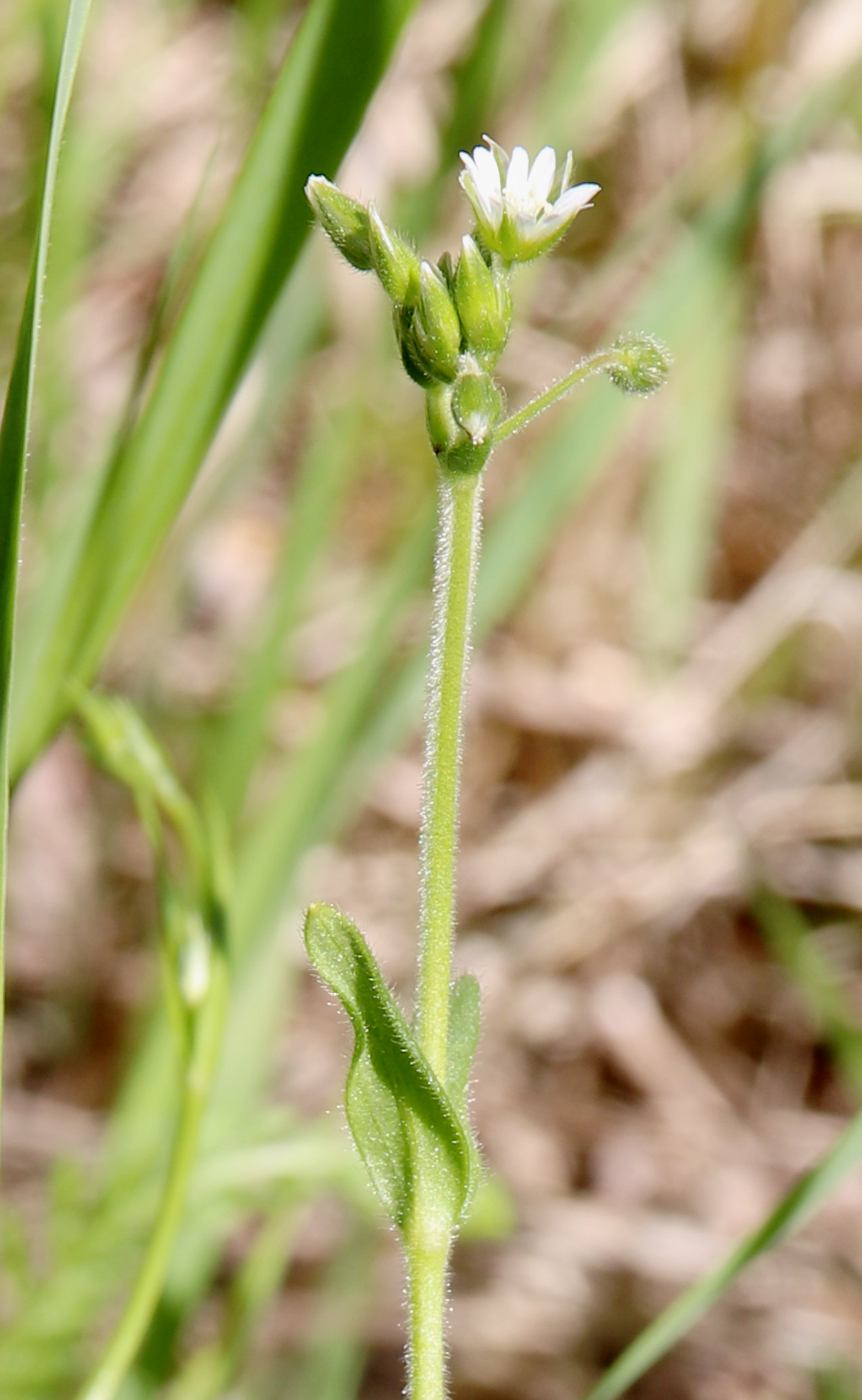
(573, 200)
(541, 176)
(567, 172)
(516, 176)
(487, 211)
(488, 174)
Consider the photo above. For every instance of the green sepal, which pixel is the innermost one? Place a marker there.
(410, 357)
(405, 1125)
(343, 218)
(476, 405)
(436, 328)
(443, 431)
(395, 262)
(467, 459)
(484, 303)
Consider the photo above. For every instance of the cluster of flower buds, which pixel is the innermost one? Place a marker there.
(452, 320)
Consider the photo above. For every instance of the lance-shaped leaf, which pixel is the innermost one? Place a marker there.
(464, 1026)
(405, 1126)
(463, 1038)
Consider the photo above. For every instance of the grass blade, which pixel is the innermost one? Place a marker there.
(790, 938)
(15, 426)
(791, 1213)
(340, 48)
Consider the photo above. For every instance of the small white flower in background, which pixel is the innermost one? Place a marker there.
(521, 210)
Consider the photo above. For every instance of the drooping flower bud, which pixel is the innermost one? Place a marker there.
(395, 262)
(476, 405)
(642, 364)
(483, 301)
(343, 218)
(436, 328)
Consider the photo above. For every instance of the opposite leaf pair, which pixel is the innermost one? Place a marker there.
(411, 1131)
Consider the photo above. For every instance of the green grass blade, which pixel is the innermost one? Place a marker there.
(341, 48)
(791, 940)
(319, 492)
(681, 503)
(15, 426)
(308, 791)
(791, 1213)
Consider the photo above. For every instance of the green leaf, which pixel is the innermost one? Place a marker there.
(123, 745)
(15, 424)
(404, 1124)
(464, 1026)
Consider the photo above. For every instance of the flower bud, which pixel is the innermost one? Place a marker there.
(476, 405)
(411, 357)
(642, 364)
(436, 328)
(395, 262)
(483, 302)
(457, 452)
(446, 267)
(189, 947)
(443, 430)
(343, 218)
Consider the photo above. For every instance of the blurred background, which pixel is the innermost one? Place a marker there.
(661, 873)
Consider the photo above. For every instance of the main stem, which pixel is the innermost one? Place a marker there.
(459, 506)
(459, 512)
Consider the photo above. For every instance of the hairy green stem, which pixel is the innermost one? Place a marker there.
(427, 1251)
(427, 1268)
(459, 508)
(596, 363)
(118, 1356)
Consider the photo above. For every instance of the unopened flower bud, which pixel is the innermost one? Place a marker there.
(641, 365)
(189, 947)
(476, 405)
(395, 262)
(443, 431)
(446, 266)
(455, 449)
(343, 218)
(483, 302)
(411, 356)
(436, 328)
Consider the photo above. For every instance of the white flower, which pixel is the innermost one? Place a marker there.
(521, 210)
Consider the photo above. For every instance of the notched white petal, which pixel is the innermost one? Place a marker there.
(517, 174)
(577, 198)
(542, 176)
(488, 171)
